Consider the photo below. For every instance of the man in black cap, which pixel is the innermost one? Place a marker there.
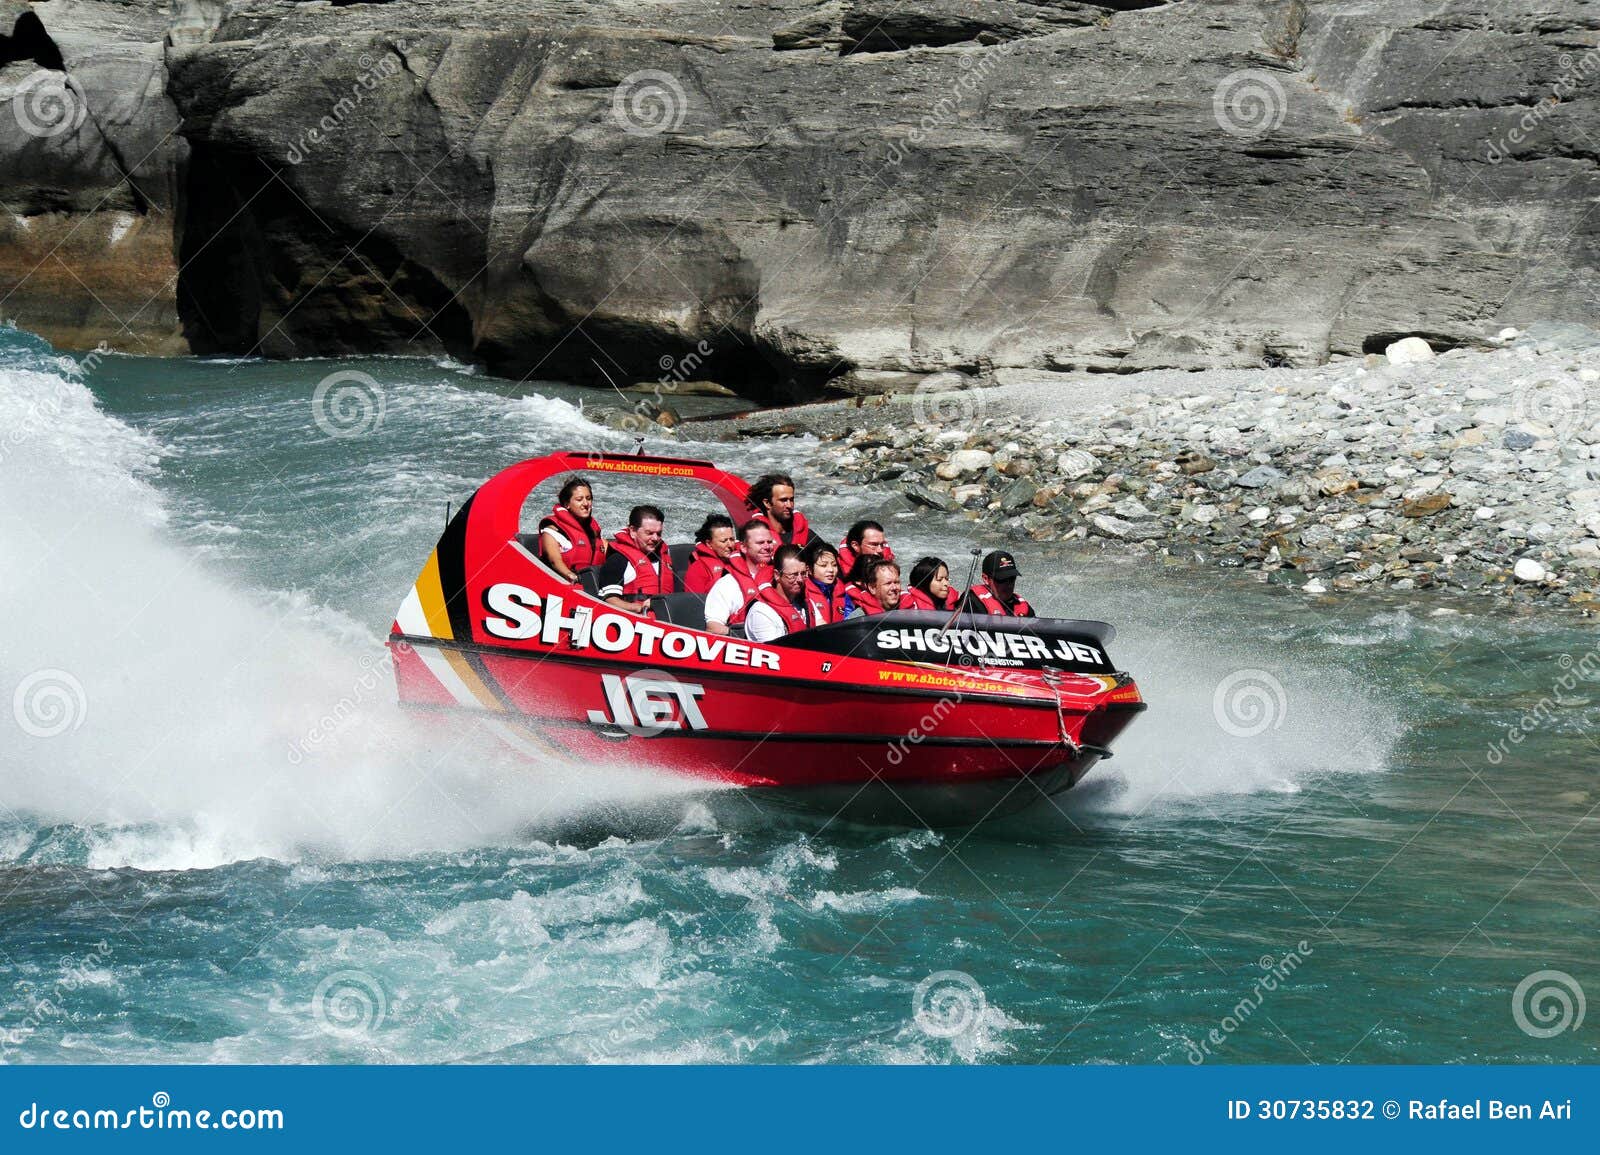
(997, 592)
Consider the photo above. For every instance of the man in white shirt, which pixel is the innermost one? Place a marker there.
(781, 607)
(748, 571)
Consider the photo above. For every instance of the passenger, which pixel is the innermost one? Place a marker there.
(782, 607)
(638, 566)
(748, 571)
(823, 584)
(715, 541)
(997, 592)
(570, 539)
(772, 497)
(865, 539)
(929, 587)
(881, 591)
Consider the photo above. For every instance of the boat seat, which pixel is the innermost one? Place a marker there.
(684, 609)
(682, 555)
(589, 579)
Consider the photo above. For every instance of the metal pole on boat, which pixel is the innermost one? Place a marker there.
(972, 568)
(447, 514)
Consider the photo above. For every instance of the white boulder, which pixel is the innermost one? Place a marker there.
(1408, 351)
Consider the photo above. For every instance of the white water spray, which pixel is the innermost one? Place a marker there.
(165, 719)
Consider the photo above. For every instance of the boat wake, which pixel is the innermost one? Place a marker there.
(160, 718)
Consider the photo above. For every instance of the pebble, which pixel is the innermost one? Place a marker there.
(1260, 477)
(1426, 505)
(970, 460)
(1076, 463)
(1338, 477)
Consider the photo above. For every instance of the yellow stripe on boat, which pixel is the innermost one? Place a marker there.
(469, 678)
(430, 592)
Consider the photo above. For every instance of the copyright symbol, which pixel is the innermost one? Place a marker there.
(1391, 1109)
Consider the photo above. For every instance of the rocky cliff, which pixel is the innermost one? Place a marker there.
(783, 195)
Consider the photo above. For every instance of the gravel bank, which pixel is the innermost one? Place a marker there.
(1468, 471)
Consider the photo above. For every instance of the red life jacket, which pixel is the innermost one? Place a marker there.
(912, 598)
(847, 557)
(646, 581)
(864, 600)
(587, 547)
(750, 581)
(821, 604)
(800, 529)
(794, 617)
(705, 567)
(993, 605)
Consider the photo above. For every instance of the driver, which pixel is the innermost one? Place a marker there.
(996, 593)
(637, 566)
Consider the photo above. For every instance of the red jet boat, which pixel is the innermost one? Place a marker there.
(916, 717)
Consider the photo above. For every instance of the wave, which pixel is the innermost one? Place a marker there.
(167, 719)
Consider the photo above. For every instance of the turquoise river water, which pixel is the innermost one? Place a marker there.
(221, 841)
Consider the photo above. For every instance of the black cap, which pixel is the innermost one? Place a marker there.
(1000, 565)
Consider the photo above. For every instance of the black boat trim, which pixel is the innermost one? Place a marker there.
(891, 691)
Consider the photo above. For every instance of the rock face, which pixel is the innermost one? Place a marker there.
(90, 159)
(792, 192)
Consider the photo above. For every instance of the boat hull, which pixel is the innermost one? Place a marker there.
(795, 737)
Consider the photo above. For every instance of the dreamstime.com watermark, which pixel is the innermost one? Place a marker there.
(1574, 71)
(948, 1004)
(925, 725)
(946, 111)
(1249, 702)
(48, 703)
(76, 972)
(373, 73)
(1558, 403)
(1547, 1004)
(949, 399)
(674, 372)
(1543, 712)
(160, 1115)
(348, 404)
(45, 412)
(1249, 103)
(41, 415)
(48, 103)
(649, 102)
(350, 1003)
(617, 1043)
(1278, 971)
(376, 672)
